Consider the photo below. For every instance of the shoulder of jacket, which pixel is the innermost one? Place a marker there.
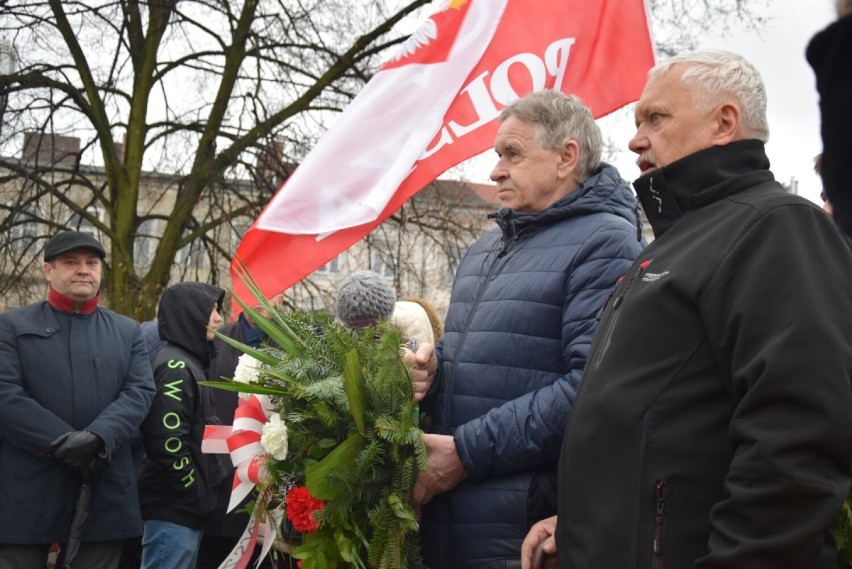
(600, 219)
(118, 318)
(586, 226)
(769, 197)
(176, 358)
(32, 318)
(487, 240)
(28, 310)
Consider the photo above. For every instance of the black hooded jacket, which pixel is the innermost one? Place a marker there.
(177, 482)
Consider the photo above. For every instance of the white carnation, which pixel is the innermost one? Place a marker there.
(274, 437)
(247, 371)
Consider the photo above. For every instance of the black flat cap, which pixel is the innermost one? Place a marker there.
(70, 240)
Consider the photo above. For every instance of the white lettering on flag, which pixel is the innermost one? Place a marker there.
(435, 105)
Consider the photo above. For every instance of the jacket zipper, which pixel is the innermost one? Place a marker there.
(620, 298)
(505, 246)
(508, 240)
(600, 311)
(613, 319)
(659, 518)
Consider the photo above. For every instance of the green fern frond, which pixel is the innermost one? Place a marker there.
(368, 519)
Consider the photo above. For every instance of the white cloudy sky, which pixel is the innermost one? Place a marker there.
(793, 101)
(779, 54)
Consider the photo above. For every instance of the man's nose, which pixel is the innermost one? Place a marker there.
(638, 143)
(498, 173)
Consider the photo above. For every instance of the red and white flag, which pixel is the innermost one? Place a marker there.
(434, 105)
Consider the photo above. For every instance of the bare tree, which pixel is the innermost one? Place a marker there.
(193, 93)
(678, 23)
(165, 126)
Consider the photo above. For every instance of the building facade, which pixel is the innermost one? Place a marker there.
(416, 249)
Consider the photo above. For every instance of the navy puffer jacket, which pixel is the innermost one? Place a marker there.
(521, 318)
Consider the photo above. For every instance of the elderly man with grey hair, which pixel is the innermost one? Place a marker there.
(714, 428)
(522, 312)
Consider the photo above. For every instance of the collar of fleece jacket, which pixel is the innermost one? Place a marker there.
(700, 179)
(183, 315)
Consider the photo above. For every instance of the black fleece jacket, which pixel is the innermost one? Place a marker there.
(178, 482)
(713, 427)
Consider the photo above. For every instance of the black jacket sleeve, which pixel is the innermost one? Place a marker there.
(167, 430)
(789, 365)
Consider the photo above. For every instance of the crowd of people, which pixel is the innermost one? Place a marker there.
(594, 401)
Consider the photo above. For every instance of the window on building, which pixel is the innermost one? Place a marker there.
(334, 266)
(26, 231)
(381, 261)
(193, 255)
(238, 229)
(145, 245)
(80, 222)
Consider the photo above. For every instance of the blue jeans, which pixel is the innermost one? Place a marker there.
(166, 545)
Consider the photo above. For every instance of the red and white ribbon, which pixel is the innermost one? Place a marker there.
(242, 442)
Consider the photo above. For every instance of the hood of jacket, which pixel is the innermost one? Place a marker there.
(604, 191)
(184, 313)
(699, 179)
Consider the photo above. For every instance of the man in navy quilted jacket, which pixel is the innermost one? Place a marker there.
(521, 317)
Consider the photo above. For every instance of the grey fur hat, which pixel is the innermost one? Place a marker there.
(363, 299)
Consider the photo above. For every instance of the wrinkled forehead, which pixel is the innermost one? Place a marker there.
(665, 79)
(662, 93)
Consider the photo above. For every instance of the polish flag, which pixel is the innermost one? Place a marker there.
(433, 105)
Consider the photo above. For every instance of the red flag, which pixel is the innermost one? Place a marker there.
(434, 105)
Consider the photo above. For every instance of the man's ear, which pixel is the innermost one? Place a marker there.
(728, 124)
(569, 158)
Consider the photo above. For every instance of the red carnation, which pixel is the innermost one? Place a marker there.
(300, 509)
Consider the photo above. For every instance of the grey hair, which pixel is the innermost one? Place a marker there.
(713, 77)
(558, 118)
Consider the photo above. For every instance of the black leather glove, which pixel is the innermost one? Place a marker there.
(77, 450)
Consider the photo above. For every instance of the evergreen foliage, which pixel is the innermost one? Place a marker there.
(843, 534)
(347, 400)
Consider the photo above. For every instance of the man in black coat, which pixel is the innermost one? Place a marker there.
(714, 425)
(830, 54)
(75, 384)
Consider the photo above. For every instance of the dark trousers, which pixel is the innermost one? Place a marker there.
(92, 555)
